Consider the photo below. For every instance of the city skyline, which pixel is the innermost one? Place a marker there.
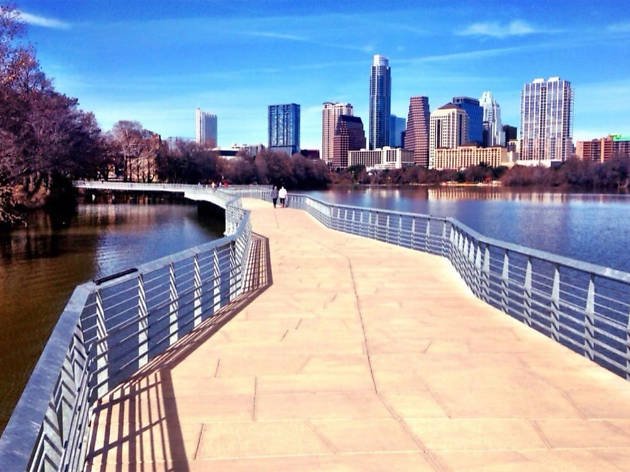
(155, 63)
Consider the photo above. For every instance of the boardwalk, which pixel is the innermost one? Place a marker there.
(356, 355)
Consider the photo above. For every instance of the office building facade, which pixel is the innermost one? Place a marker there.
(205, 128)
(417, 133)
(448, 128)
(331, 111)
(475, 118)
(466, 156)
(546, 121)
(491, 121)
(349, 136)
(284, 128)
(397, 126)
(380, 102)
(603, 149)
(380, 159)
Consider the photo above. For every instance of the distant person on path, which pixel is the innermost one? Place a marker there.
(274, 195)
(283, 196)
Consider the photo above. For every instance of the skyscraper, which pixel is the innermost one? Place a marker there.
(331, 111)
(380, 101)
(492, 128)
(205, 128)
(546, 120)
(417, 135)
(475, 118)
(448, 129)
(349, 136)
(396, 127)
(284, 128)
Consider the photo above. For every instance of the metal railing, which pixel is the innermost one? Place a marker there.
(581, 305)
(112, 327)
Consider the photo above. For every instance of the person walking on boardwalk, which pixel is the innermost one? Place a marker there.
(274, 195)
(283, 196)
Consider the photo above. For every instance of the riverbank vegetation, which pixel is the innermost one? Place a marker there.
(574, 174)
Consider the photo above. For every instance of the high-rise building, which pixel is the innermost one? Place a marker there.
(448, 129)
(492, 128)
(396, 127)
(546, 120)
(509, 133)
(417, 134)
(205, 128)
(331, 111)
(475, 118)
(349, 136)
(284, 128)
(380, 101)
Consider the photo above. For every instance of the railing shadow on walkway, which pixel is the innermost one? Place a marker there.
(129, 431)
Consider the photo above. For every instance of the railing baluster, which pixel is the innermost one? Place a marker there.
(143, 324)
(589, 320)
(505, 282)
(485, 276)
(554, 311)
(527, 293)
(427, 236)
(197, 310)
(102, 347)
(173, 306)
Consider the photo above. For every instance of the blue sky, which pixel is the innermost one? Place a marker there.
(156, 61)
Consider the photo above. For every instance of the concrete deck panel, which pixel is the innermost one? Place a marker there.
(357, 355)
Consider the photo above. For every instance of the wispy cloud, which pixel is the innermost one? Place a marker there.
(465, 55)
(303, 39)
(496, 30)
(45, 22)
(619, 27)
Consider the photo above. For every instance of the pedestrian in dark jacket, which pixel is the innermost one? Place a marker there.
(274, 195)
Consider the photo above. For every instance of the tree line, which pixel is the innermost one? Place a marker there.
(613, 174)
(47, 140)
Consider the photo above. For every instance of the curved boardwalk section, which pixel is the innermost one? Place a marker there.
(357, 355)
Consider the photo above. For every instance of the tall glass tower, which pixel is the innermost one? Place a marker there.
(380, 102)
(417, 136)
(284, 128)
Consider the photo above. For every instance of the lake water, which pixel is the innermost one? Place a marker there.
(41, 265)
(589, 227)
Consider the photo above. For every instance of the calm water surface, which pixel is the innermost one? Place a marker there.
(40, 266)
(589, 227)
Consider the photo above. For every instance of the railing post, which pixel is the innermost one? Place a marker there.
(216, 303)
(173, 307)
(589, 320)
(527, 293)
(427, 236)
(102, 348)
(445, 242)
(143, 324)
(478, 276)
(505, 281)
(387, 230)
(400, 230)
(413, 232)
(555, 305)
(197, 291)
(485, 275)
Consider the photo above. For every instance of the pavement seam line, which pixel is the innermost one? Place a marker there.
(254, 399)
(203, 428)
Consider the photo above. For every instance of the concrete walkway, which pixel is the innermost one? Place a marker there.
(357, 355)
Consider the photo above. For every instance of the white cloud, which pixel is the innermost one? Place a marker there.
(497, 30)
(43, 21)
